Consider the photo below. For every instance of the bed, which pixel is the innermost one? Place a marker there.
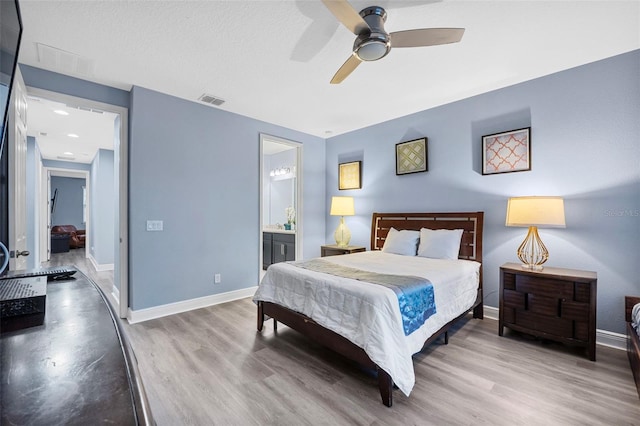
(367, 328)
(633, 342)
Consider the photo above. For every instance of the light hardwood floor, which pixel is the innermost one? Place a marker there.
(210, 366)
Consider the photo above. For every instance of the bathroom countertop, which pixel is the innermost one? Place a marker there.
(278, 231)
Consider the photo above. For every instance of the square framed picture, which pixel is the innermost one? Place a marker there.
(349, 176)
(506, 152)
(411, 156)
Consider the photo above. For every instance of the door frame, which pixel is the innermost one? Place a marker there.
(264, 137)
(45, 208)
(121, 269)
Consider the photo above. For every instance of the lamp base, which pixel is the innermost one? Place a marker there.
(342, 234)
(532, 267)
(532, 252)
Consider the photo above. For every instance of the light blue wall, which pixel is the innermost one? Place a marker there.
(102, 198)
(47, 80)
(585, 147)
(197, 169)
(68, 207)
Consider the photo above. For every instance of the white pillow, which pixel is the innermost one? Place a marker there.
(403, 242)
(440, 243)
(635, 318)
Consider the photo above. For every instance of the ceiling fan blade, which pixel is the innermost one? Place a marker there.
(346, 69)
(426, 37)
(347, 15)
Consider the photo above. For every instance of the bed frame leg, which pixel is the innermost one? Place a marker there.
(275, 325)
(478, 311)
(385, 383)
(260, 316)
(446, 337)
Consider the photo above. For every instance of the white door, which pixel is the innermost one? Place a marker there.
(18, 175)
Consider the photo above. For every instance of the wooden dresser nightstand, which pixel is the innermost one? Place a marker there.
(555, 303)
(335, 250)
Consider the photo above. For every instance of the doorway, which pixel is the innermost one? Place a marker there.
(114, 171)
(281, 203)
(69, 206)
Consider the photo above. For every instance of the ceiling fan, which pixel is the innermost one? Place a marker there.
(373, 42)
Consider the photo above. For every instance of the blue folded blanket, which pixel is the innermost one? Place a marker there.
(415, 294)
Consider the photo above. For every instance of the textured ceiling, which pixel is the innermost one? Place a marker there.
(272, 60)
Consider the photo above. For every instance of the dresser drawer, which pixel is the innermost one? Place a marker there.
(544, 287)
(576, 311)
(544, 324)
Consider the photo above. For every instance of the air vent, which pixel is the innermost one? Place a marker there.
(42, 133)
(210, 99)
(67, 62)
(81, 108)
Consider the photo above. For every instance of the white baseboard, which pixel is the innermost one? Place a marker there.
(491, 312)
(603, 337)
(101, 267)
(611, 339)
(140, 315)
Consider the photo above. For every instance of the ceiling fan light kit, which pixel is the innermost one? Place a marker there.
(373, 42)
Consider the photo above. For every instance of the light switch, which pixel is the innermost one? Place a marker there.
(155, 225)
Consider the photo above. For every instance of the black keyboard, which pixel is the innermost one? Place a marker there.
(52, 274)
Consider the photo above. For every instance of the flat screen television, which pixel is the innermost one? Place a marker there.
(10, 36)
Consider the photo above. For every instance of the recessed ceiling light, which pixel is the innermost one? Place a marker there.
(60, 112)
(68, 153)
(73, 135)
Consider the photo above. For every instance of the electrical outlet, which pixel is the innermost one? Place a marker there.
(217, 279)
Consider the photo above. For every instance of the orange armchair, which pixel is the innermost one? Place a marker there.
(76, 236)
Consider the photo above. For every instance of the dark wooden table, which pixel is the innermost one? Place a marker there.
(76, 368)
(336, 250)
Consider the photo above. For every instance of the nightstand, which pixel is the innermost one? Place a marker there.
(335, 250)
(555, 303)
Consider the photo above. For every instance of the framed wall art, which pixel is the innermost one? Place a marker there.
(349, 176)
(506, 152)
(411, 156)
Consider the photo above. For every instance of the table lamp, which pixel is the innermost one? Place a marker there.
(342, 206)
(546, 212)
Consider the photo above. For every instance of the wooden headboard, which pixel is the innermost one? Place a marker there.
(629, 303)
(470, 223)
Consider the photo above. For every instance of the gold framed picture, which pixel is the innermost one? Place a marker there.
(349, 176)
(411, 156)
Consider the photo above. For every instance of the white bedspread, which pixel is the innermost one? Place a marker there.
(368, 314)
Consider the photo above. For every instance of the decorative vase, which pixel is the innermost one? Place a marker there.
(287, 226)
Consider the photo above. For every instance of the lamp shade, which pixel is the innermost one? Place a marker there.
(342, 206)
(545, 212)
